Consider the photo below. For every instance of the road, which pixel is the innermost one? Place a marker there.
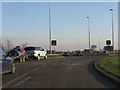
(67, 72)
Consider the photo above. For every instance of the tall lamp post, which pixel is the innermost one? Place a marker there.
(112, 30)
(89, 32)
(50, 46)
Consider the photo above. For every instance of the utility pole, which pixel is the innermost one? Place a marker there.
(89, 34)
(112, 30)
(50, 29)
(99, 44)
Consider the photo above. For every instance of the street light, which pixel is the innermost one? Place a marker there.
(89, 32)
(112, 30)
(50, 29)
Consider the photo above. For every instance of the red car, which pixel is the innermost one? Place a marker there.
(20, 49)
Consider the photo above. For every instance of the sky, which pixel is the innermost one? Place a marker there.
(27, 22)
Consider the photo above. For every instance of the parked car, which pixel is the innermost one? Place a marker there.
(37, 52)
(17, 53)
(6, 63)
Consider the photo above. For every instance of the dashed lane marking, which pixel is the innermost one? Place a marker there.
(14, 80)
(19, 83)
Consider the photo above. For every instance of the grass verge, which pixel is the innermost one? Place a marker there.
(54, 55)
(111, 65)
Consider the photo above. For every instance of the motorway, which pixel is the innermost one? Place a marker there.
(66, 72)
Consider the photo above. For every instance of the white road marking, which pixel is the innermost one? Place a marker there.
(74, 64)
(39, 68)
(36, 69)
(15, 80)
(21, 82)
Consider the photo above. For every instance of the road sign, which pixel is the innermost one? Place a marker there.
(93, 46)
(108, 48)
(54, 42)
(108, 42)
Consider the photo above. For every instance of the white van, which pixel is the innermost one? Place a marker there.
(37, 52)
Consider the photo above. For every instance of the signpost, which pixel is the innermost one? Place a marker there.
(54, 43)
(108, 48)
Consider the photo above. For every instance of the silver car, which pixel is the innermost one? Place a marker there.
(7, 64)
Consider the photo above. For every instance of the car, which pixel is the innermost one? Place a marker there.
(18, 48)
(66, 54)
(6, 63)
(37, 52)
(77, 53)
(17, 53)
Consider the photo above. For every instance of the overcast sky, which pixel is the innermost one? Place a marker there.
(28, 22)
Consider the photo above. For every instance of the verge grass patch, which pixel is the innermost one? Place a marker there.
(111, 65)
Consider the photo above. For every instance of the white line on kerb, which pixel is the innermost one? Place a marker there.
(15, 79)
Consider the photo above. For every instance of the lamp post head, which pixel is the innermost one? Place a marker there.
(87, 17)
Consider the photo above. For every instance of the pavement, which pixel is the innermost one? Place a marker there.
(67, 72)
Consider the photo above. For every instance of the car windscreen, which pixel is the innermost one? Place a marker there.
(38, 48)
(29, 48)
(13, 53)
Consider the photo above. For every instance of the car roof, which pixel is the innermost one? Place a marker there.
(33, 46)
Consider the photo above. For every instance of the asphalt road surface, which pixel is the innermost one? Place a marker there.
(67, 72)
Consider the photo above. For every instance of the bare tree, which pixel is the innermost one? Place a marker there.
(8, 46)
(1, 46)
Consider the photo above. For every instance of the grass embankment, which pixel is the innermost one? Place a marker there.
(111, 65)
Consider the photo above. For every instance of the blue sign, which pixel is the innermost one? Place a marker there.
(93, 46)
(108, 48)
